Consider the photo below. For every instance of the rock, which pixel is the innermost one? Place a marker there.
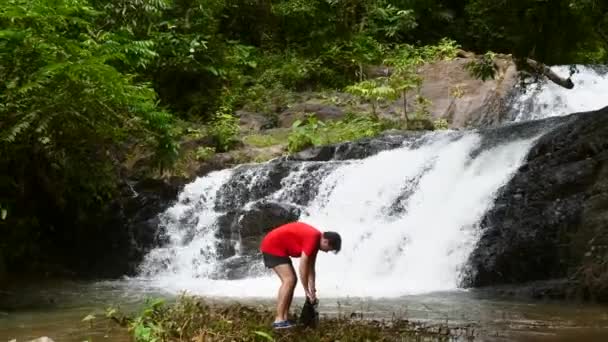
(254, 223)
(454, 94)
(251, 121)
(194, 143)
(241, 266)
(115, 239)
(320, 153)
(552, 212)
(248, 226)
(299, 111)
(554, 289)
(244, 185)
(460, 98)
(355, 149)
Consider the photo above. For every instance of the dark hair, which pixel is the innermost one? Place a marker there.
(334, 239)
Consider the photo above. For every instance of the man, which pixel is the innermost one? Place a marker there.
(296, 239)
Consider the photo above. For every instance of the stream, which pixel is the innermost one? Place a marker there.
(56, 310)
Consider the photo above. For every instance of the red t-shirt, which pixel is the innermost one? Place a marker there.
(292, 239)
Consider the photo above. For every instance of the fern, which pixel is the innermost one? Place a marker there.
(60, 86)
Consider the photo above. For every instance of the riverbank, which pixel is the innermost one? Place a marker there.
(57, 310)
(195, 319)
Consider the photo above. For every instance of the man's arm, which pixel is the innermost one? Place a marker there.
(306, 272)
(312, 276)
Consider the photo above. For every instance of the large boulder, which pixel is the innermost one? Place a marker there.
(454, 94)
(550, 221)
(248, 225)
(255, 222)
(252, 121)
(459, 97)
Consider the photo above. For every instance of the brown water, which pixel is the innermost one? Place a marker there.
(57, 311)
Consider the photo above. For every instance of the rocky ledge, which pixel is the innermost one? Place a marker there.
(550, 222)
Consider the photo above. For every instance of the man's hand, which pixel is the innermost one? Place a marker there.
(312, 296)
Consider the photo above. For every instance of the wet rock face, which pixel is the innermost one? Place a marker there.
(356, 149)
(550, 220)
(259, 220)
(252, 182)
(120, 235)
(249, 225)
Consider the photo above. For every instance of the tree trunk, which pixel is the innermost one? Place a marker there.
(374, 109)
(544, 70)
(405, 108)
(360, 72)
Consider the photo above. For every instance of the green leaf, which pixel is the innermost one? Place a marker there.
(88, 318)
(111, 312)
(264, 334)
(3, 213)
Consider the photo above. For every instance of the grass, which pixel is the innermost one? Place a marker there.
(261, 140)
(192, 319)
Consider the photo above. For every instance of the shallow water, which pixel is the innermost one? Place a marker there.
(56, 310)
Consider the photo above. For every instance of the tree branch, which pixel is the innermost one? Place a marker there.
(547, 72)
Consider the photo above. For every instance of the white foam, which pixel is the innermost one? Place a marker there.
(549, 99)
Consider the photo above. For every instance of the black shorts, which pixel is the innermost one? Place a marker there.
(271, 261)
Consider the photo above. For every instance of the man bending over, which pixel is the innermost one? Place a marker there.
(296, 239)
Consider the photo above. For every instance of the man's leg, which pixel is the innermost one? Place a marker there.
(288, 283)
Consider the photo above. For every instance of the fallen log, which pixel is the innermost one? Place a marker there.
(550, 74)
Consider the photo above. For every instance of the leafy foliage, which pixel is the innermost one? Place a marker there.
(483, 68)
(224, 129)
(374, 91)
(313, 132)
(66, 109)
(536, 29)
(204, 153)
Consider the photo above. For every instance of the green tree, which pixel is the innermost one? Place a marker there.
(404, 77)
(373, 91)
(67, 112)
(537, 29)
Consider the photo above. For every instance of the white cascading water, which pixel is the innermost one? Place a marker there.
(548, 99)
(190, 252)
(441, 189)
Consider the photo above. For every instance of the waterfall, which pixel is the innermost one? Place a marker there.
(409, 218)
(409, 215)
(541, 100)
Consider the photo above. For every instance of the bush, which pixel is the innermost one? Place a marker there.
(441, 124)
(204, 153)
(224, 130)
(289, 70)
(268, 100)
(313, 132)
(483, 68)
